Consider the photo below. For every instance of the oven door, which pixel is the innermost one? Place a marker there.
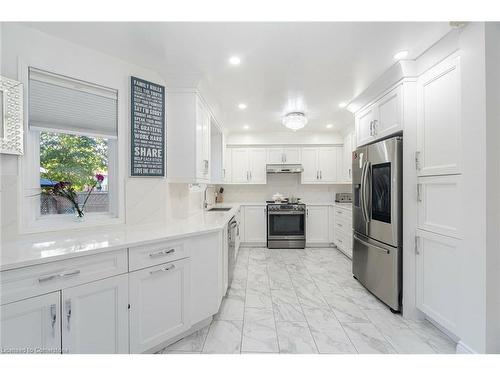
(286, 225)
(382, 191)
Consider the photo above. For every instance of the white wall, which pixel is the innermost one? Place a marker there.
(146, 199)
(286, 184)
(492, 187)
(287, 137)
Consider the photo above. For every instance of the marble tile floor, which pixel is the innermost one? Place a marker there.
(306, 301)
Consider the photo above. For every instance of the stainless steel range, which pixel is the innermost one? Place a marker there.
(286, 225)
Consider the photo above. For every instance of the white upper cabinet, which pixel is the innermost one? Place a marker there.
(248, 165)
(438, 119)
(321, 165)
(33, 324)
(95, 317)
(380, 119)
(289, 155)
(188, 138)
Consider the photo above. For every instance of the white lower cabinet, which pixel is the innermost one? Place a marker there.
(205, 268)
(438, 272)
(95, 317)
(32, 325)
(254, 222)
(317, 225)
(343, 229)
(159, 304)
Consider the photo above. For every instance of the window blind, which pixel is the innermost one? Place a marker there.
(62, 104)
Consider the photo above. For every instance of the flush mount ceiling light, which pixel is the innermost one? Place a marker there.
(342, 104)
(246, 127)
(329, 126)
(295, 120)
(242, 106)
(401, 55)
(234, 60)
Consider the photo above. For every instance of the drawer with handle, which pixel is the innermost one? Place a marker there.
(32, 281)
(158, 253)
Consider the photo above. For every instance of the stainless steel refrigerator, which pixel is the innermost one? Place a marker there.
(377, 219)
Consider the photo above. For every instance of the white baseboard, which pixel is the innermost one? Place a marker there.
(462, 348)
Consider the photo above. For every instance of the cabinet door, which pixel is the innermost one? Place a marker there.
(439, 202)
(317, 224)
(389, 110)
(239, 165)
(32, 325)
(310, 165)
(438, 119)
(291, 155)
(255, 224)
(275, 156)
(364, 120)
(159, 304)
(95, 317)
(257, 165)
(327, 164)
(206, 254)
(202, 140)
(227, 175)
(347, 158)
(438, 278)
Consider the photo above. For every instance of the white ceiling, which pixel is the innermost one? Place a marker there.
(285, 66)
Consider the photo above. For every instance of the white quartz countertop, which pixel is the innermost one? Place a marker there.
(51, 246)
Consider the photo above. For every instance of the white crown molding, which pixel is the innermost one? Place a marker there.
(463, 348)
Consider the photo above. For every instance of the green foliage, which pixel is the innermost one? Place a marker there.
(72, 158)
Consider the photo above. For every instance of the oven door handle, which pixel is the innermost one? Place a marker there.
(286, 213)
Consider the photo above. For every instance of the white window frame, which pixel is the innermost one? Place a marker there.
(29, 218)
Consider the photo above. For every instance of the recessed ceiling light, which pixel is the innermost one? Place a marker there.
(246, 127)
(242, 106)
(401, 55)
(234, 60)
(329, 126)
(342, 104)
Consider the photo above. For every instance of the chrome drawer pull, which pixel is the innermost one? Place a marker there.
(162, 253)
(339, 225)
(58, 276)
(171, 267)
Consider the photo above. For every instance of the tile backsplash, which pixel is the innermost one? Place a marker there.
(286, 184)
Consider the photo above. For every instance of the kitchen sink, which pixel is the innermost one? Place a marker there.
(220, 209)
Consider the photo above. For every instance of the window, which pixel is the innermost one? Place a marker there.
(73, 137)
(68, 157)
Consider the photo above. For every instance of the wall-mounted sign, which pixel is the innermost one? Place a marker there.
(147, 129)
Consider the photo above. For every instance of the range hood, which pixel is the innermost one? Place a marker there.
(284, 168)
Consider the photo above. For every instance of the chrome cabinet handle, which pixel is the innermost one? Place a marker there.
(317, 175)
(417, 160)
(168, 268)
(419, 192)
(320, 175)
(58, 276)
(339, 225)
(416, 246)
(67, 308)
(371, 128)
(162, 253)
(375, 127)
(53, 319)
(339, 240)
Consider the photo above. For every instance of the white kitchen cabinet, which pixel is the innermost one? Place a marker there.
(32, 325)
(95, 317)
(188, 138)
(248, 165)
(439, 204)
(347, 157)
(290, 155)
(227, 165)
(438, 119)
(342, 224)
(206, 266)
(159, 304)
(317, 225)
(320, 165)
(254, 223)
(438, 269)
(380, 119)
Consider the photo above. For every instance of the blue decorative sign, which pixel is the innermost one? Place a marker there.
(147, 139)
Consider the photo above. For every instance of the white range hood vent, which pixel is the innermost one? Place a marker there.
(284, 168)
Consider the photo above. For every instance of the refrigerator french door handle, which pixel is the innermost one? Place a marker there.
(366, 192)
(381, 249)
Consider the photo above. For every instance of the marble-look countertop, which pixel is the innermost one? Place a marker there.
(33, 249)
